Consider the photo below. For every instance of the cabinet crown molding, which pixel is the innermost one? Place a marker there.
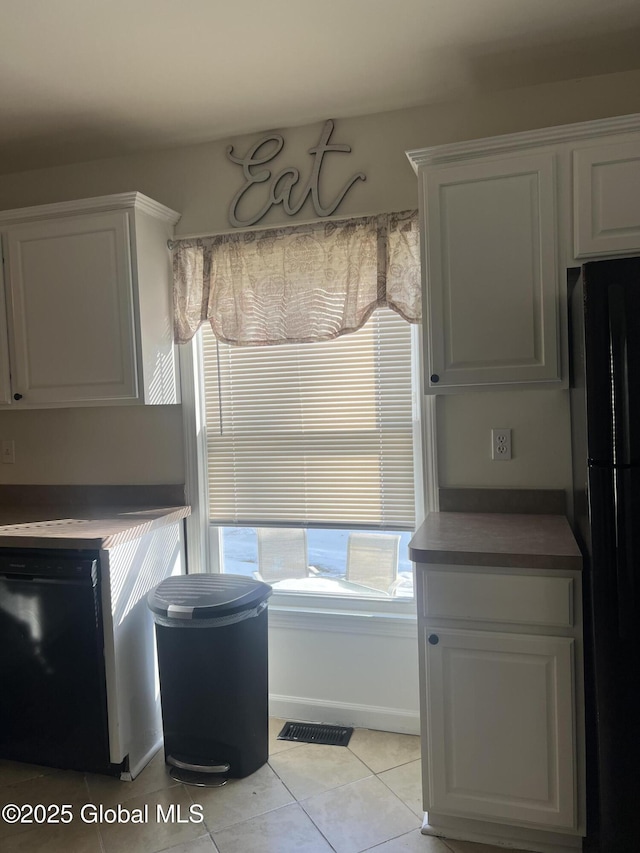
(512, 142)
(119, 201)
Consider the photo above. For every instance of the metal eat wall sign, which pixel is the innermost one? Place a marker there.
(282, 184)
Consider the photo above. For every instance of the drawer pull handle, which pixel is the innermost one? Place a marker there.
(17, 396)
(435, 377)
(434, 639)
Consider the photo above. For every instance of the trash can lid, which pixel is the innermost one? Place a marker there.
(206, 596)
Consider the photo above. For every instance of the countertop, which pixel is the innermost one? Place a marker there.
(93, 527)
(496, 539)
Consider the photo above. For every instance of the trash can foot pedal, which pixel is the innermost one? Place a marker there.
(200, 775)
(200, 780)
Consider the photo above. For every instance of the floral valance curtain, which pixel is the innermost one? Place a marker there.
(297, 284)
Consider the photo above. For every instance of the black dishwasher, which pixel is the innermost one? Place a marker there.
(53, 705)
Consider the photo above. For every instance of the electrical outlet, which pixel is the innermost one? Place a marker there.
(501, 444)
(8, 451)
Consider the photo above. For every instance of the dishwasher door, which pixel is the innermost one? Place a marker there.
(53, 708)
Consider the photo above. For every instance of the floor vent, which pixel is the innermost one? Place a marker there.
(316, 733)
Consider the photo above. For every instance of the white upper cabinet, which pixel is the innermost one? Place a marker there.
(88, 290)
(492, 269)
(5, 373)
(72, 330)
(606, 180)
(502, 220)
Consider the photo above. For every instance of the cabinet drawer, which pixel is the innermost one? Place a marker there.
(483, 597)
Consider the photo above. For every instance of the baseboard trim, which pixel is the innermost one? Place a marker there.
(345, 714)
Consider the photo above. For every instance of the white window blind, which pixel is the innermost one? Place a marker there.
(312, 434)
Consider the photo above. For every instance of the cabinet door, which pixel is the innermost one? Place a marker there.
(5, 376)
(71, 309)
(606, 204)
(500, 723)
(491, 274)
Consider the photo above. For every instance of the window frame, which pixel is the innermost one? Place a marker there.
(201, 557)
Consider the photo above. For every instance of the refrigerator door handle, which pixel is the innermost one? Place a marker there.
(621, 427)
(619, 367)
(625, 558)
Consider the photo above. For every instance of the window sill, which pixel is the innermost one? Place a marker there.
(331, 613)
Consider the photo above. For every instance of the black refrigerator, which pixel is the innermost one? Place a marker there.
(605, 419)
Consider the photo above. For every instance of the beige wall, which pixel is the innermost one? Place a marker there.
(131, 445)
(106, 445)
(540, 439)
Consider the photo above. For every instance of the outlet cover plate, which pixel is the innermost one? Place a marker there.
(501, 444)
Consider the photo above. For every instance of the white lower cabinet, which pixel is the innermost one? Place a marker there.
(500, 726)
(500, 705)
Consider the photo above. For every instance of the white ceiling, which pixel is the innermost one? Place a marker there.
(81, 79)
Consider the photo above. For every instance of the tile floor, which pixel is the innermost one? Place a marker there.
(307, 799)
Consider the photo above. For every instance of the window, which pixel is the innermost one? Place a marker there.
(315, 443)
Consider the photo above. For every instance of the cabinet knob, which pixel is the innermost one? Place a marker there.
(17, 396)
(434, 639)
(435, 377)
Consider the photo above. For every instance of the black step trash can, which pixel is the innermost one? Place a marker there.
(211, 634)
